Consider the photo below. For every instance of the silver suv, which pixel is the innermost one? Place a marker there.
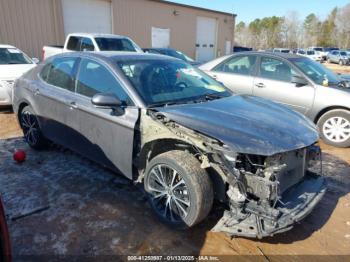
(298, 82)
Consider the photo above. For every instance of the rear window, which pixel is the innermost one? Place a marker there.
(74, 43)
(115, 44)
(13, 56)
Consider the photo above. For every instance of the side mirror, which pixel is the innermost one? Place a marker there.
(35, 60)
(106, 101)
(299, 81)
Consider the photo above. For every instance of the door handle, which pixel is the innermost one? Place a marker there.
(73, 105)
(36, 92)
(260, 85)
(214, 76)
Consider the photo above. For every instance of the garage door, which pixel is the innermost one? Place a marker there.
(206, 39)
(87, 16)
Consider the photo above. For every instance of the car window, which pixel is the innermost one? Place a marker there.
(13, 56)
(86, 44)
(335, 52)
(74, 43)
(94, 78)
(242, 65)
(275, 69)
(60, 73)
(115, 44)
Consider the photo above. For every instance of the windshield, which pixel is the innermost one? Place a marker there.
(317, 72)
(310, 52)
(115, 44)
(13, 56)
(319, 49)
(343, 53)
(285, 51)
(161, 82)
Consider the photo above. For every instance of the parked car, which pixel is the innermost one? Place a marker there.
(237, 49)
(160, 121)
(13, 64)
(338, 57)
(313, 55)
(92, 42)
(298, 82)
(5, 245)
(327, 50)
(319, 51)
(281, 50)
(173, 53)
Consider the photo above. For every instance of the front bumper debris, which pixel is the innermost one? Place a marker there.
(296, 203)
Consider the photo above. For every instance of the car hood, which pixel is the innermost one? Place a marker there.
(246, 124)
(11, 72)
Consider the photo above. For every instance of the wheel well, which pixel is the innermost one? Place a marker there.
(325, 110)
(157, 147)
(20, 108)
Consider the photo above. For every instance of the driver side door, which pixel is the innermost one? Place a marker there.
(274, 82)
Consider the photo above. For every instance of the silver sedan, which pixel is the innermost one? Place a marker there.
(298, 82)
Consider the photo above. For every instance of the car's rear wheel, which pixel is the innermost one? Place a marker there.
(334, 127)
(341, 63)
(179, 190)
(329, 61)
(31, 129)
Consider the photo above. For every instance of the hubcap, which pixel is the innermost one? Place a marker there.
(169, 193)
(337, 129)
(30, 127)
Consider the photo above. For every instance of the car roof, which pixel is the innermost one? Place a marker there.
(282, 55)
(119, 56)
(97, 35)
(6, 46)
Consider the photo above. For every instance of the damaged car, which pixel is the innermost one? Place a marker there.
(186, 137)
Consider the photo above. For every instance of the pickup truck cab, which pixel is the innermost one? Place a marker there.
(92, 42)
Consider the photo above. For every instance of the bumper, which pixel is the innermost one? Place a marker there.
(5, 95)
(294, 206)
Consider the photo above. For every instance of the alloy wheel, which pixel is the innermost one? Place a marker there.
(337, 129)
(30, 127)
(169, 193)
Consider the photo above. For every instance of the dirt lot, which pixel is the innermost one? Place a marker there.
(61, 204)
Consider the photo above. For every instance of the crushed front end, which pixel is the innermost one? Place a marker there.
(268, 195)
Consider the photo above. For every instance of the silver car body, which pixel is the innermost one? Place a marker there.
(311, 100)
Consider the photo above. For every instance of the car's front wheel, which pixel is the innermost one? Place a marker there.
(334, 127)
(179, 190)
(341, 62)
(31, 129)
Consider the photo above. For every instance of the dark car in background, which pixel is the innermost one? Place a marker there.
(5, 246)
(173, 53)
(164, 123)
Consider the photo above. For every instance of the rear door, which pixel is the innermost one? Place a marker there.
(273, 82)
(237, 73)
(54, 94)
(107, 136)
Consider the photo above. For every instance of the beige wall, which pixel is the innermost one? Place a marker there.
(135, 18)
(31, 24)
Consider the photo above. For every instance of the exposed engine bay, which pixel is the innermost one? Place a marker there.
(263, 195)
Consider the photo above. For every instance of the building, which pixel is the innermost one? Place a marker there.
(200, 33)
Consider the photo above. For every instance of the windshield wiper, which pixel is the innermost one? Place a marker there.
(210, 97)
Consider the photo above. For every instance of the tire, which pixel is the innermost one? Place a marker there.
(191, 184)
(334, 127)
(31, 129)
(329, 61)
(341, 62)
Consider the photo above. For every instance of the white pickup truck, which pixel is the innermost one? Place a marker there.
(92, 42)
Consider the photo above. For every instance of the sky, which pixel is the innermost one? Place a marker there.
(248, 10)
